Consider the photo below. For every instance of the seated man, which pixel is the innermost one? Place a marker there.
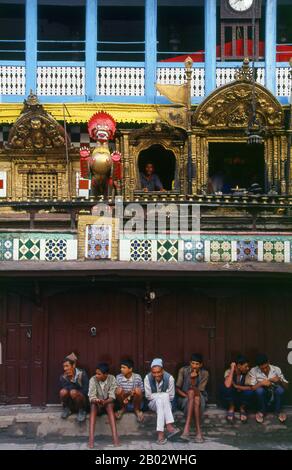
(130, 389)
(159, 390)
(102, 394)
(191, 389)
(149, 180)
(74, 389)
(269, 384)
(235, 393)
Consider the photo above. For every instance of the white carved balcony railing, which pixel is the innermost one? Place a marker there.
(176, 76)
(12, 80)
(226, 75)
(61, 81)
(283, 83)
(120, 81)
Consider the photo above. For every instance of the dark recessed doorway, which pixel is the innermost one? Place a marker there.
(234, 165)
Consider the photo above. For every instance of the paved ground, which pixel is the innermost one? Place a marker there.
(24, 427)
(262, 442)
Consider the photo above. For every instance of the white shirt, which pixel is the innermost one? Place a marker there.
(170, 390)
(255, 375)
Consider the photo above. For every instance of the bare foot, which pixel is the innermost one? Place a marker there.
(90, 444)
(116, 443)
(170, 427)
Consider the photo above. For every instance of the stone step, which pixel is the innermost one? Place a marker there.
(46, 422)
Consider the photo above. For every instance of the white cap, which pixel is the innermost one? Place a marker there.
(157, 363)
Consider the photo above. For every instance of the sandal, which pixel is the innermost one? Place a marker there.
(119, 414)
(140, 416)
(259, 418)
(230, 416)
(243, 416)
(161, 442)
(199, 439)
(185, 437)
(282, 418)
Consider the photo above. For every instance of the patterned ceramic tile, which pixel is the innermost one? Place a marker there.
(247, 250)
(167, 250)
(55, 250)
(29, 249)
(141, 250)
(274, 251)
(6, 249)
(220, 251)
(193, 250)
(98, 242)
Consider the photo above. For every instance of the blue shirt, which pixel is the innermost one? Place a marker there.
(152, 184)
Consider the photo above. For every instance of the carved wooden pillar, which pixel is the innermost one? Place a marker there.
(126, 166)
(182, 163)
(289, 161)
(269, 163)
(194, 164)
(204, 163)
(276, 162)
(283, 166)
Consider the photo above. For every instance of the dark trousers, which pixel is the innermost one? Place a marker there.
(264, 398)
(231, 396)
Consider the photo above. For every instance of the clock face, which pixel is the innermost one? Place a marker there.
(240, 5)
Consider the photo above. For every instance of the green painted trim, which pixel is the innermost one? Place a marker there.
(38, 235)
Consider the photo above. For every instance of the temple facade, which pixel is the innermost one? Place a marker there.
(94, 261)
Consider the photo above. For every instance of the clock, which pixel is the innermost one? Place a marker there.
(236, 24)
(240, 9)
(240, 5)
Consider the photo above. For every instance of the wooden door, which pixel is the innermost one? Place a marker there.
(255, 323)
(97, 325)
(178, 325)
(16, 342)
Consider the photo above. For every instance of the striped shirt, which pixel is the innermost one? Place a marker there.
(135, 381)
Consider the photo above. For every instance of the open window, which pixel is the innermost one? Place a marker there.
(61, 30)
(164, 165)
(121, 30)
(12, 30)
(235, 166)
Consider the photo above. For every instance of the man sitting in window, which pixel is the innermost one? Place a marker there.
(149, 180)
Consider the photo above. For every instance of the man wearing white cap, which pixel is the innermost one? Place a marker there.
(160, 390)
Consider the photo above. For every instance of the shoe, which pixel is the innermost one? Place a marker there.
(66, 412)
(81, 416)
